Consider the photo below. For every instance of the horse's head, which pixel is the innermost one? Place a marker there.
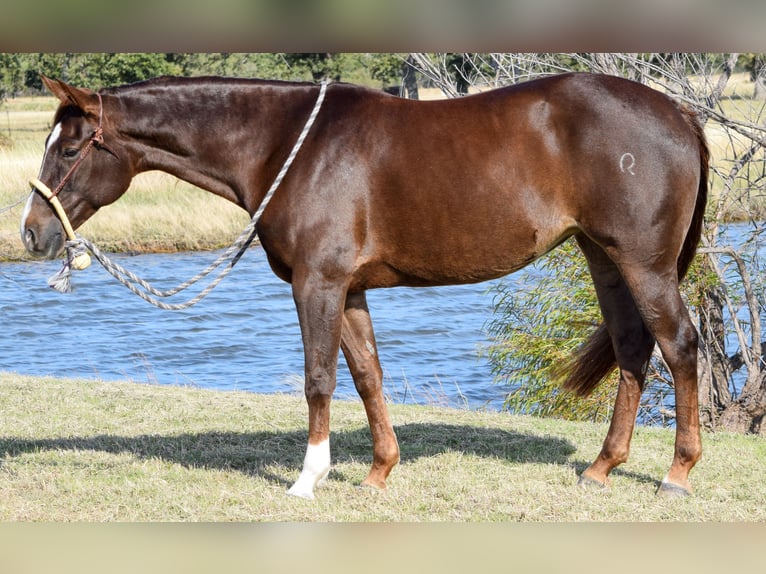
(83, 164)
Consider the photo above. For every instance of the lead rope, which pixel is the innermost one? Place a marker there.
(76, 246)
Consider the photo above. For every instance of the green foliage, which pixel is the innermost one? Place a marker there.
(111, 69)
(316, 66)
(536, 329)
(387, 68)
(700, 280)
(232, 64)
(11, 75)
(20, 73)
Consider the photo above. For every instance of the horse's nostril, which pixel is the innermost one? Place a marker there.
(29, 238)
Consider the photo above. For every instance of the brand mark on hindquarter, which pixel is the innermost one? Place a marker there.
(627, 163)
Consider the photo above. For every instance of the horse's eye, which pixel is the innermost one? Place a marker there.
(71, 152)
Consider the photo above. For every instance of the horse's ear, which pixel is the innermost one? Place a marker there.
(83, 98)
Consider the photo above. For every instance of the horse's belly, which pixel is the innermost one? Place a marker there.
(460, 258)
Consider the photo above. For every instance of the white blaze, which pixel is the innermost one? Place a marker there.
(27, 209)
(52, 138)
(55, 135)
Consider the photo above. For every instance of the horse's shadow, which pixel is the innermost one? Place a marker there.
(255, 453)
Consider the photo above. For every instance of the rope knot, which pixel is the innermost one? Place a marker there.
(77, 254)
(77, 258)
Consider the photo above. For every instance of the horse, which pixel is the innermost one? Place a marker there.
(387, 191)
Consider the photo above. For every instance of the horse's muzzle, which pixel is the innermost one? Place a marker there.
(46, 239)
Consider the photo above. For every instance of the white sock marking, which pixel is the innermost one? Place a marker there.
(316, 466)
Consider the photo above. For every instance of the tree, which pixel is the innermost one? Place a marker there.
(232, 64)
(319, 65)
(123, 68)
(11, 74)
(756, 65)
(21, 72)
(726, 286)
(395, 69)
(452, 73)
(530, 346)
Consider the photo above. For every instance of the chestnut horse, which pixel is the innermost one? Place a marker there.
(387, 191)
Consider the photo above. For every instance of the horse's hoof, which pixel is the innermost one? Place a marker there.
(670, 490)
(372, 485)
(301, 493)
(591, 483)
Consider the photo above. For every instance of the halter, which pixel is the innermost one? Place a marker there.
(76, 259)
(79, 260)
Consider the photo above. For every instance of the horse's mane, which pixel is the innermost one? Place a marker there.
(197, 81)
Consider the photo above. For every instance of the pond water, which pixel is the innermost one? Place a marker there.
(243, 336)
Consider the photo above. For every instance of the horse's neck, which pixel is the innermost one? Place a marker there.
(198, 133)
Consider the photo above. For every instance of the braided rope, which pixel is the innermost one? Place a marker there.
(149, 293)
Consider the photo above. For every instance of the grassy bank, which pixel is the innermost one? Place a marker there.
(93, 451)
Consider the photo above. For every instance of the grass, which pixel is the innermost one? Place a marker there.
(91, 451)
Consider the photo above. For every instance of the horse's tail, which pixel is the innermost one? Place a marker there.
(595, 359)
(689, 248)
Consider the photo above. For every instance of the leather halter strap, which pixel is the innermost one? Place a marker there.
(97, 139)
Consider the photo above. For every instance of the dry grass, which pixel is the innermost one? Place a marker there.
(92, 451)
(162, 213)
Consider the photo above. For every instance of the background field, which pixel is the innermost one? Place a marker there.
(91, 451)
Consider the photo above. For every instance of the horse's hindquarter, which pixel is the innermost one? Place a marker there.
(515, 172)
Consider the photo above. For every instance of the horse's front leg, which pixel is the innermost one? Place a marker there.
(319, 303)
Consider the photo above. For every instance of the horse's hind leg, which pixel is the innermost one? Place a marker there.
(663, 310)
(633, 344)
(647, 292)
(358, 344)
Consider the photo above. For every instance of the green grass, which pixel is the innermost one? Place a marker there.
(93, 451)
